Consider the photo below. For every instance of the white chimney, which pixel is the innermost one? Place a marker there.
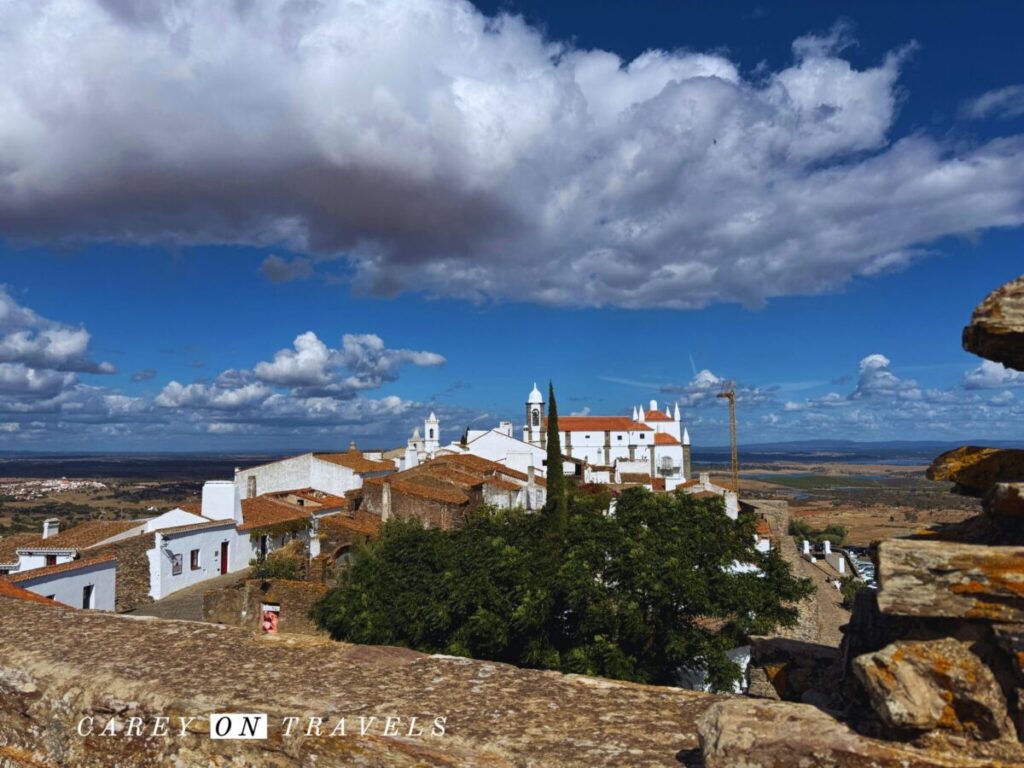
(221, 501)
(51, 527)
(705, 478)
(250, 487)
(654, 405)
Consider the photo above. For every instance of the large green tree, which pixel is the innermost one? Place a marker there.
(638, 595)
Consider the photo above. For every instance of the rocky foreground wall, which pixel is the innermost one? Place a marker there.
(60, 665)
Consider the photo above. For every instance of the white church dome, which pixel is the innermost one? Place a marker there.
(535, 395)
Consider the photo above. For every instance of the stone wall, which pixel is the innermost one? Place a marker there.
(433, 514)
(239, 604)
(132, 570)
(112, 667)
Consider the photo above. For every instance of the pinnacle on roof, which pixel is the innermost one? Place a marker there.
(352, 446)
(416, 433)
(676, 414)
(432, 417)
(654, 405)
(535, 395)
(686, 436)
(636, 416)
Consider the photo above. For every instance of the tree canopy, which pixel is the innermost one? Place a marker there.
(637, 595)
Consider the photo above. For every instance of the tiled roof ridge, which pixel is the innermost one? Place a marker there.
(50, 570)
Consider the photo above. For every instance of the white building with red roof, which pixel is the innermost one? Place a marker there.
(651, 442)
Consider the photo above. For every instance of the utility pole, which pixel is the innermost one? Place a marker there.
(729, 393)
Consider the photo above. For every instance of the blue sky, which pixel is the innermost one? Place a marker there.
(315, 242)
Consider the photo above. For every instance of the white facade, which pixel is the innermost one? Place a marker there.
(704, 485)
(173, 552)
(29, 560)
(304, 471)
(91, 586)
(653, 442)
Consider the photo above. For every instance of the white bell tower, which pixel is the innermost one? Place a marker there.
(534, 417)
(431, 434)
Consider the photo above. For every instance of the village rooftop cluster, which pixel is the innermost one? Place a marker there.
(328, 500)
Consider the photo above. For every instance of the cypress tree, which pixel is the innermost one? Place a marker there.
(557, 504)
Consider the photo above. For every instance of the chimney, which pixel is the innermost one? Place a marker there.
(250, 491)
(51, 527)
(221, 501)
(385, 502)
(705, 478)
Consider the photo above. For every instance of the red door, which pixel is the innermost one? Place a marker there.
(223, 557)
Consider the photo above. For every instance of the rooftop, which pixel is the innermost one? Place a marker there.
(82, 536)
(265, 511)
(10, 544)
(52, 570)
(7, 589)
(353, 459)
(600, 424)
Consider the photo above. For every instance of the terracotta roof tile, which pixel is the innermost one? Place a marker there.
(263, 512)
(323, 498)
(50, 570)
(657, 416)
(635, 477)
(20, 593)
(83, 535)
(353, 459)
(663, 438)
(10, 544)
(195, 507)
(360, 522)
(600, 424)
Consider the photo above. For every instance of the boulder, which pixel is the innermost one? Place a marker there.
(925, 685)
(935, 578)
(793, 667)
(975, 470)
(755, 733)
(996, 331)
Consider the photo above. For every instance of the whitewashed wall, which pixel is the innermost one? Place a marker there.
(67, 587)
(29, 562)
(304, 471)
(163, 582)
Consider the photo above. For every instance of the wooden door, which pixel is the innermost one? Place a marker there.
(223, 557)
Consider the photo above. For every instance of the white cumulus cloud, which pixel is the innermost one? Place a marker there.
(435, 149)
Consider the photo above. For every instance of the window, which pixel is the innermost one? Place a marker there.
(586, 437)
(51, 597)
(430, 433)
(536, 417)
(87, 595)
(51, 559)
(194, 559)
(175, 565)
(620, 437)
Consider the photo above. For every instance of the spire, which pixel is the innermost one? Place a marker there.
(675, 415)
(416, 433)
(668, 410)
(432, 417)
(535, 395)
(686, 436)
(636, 416)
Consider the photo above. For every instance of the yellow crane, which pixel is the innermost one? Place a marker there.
(729, 393)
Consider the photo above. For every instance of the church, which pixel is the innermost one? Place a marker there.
(650, 447)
